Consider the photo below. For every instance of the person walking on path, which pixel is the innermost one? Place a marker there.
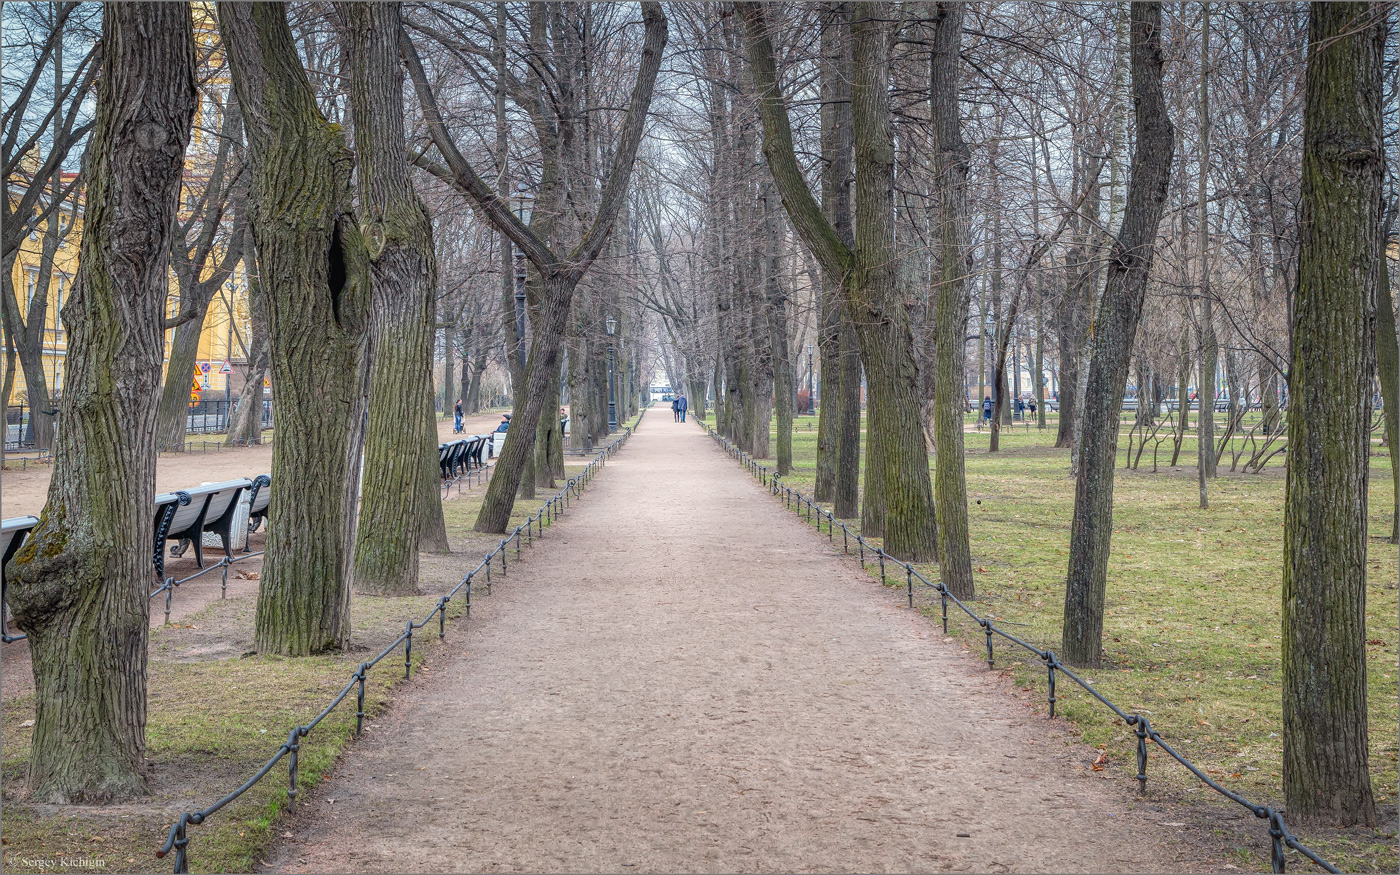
(676, 409)
(987, 409)
(681, 406)
(457, 417)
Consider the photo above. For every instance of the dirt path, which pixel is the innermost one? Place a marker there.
(679, 682)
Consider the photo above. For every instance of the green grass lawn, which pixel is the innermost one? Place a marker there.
(1192, 621)
(217, 711)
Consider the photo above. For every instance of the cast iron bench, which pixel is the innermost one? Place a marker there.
(211, 508)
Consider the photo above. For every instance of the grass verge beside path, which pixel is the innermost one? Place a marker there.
(1191, 628)
(217, 711)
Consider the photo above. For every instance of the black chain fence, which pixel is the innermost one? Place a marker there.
(1279, 835)
(534, 526)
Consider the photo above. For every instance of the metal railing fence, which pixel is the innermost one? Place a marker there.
(534, 526)
(1279, 835)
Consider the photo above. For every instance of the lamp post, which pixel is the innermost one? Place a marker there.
(229, 288)
(612, 400)
(811, 386)
(524, 208)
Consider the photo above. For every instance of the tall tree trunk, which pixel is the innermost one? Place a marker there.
(1115, 331)
(313, 267)
(1326, 769)
(399, 501)
(1183, 381)
(1210, 347)
(245, 425)
(1388, 365)
(840, 414)
(784, 380)
(468, 379)
(1038, 359)
(847, 503)
(898, 489)
(898, 500)
(78, 587)
(955, 558)
(548, 437)
(173, 416)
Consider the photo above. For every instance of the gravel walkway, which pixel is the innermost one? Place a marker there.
(680, 679)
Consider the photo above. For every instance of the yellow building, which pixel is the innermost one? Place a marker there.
(224, 336)
(225, 332)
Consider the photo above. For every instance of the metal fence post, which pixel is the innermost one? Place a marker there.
(360, 698)
(1142, 727)
(293, 748)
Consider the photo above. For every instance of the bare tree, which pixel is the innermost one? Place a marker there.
(559, 275)
(1116, 323)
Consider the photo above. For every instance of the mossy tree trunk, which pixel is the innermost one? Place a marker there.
(79, 585)
(400, 508)
(1326, 773)
(955, 549)
(1112, 338)
(898, 503)
(315, 276)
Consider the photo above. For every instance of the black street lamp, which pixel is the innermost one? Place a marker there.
(612, 400)
(524, 208)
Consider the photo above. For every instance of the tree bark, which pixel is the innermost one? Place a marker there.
(840, 354)
(1210, 347)
(79, 585)
(898, 502)
(314, 271)
(400, 508)
(1326, 770)
(955, 548)
(1183, 379)
(1114, 332)
(784, 381)
(173, 415)
(1388, 366)
(245, 426)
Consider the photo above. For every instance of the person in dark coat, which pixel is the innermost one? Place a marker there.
(676, 409)
(682, 406)
(457, 418)
(987, 409)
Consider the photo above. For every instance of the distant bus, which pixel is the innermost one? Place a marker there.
(661, 393)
